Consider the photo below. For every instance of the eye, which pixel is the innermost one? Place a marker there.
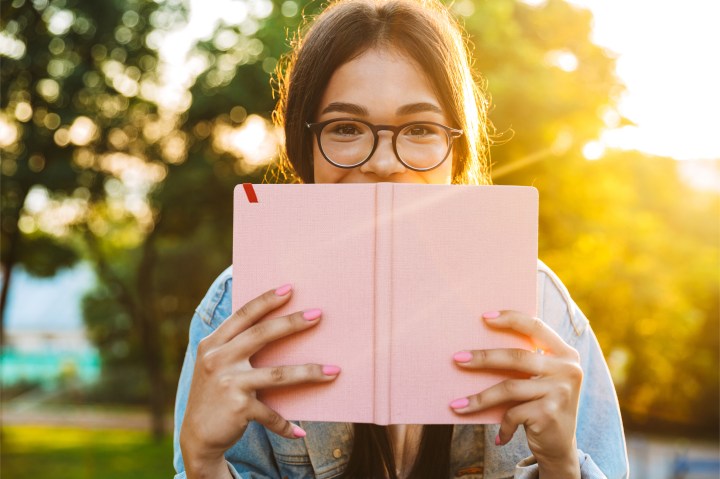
(418, 131)
(421, 131)
(344, 129)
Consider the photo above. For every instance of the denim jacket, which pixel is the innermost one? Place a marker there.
(324, 452)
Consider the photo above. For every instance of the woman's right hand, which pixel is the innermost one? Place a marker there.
(222, 402)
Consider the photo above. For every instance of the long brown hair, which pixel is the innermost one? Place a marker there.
(422, 29)
(372, 454)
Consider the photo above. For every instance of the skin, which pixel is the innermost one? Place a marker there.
(378, 86)
(547, 402)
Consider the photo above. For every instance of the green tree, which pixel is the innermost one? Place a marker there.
(606, 226)
(73, 106)
(627, 235)
(647, 280)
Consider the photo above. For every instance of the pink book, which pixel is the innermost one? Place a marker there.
(403, 273)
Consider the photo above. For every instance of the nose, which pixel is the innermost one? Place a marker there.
(383, 161)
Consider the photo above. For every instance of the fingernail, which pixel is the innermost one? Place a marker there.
(330, 370)
(298, 431)
(460, 403)
(283, 290)
(312, 314)
(462, 356)
(497, 440)
(491, 315)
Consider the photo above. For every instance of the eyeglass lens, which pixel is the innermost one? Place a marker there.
(420, 145)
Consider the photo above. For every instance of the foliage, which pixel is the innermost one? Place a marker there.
(76, 94)
(151, 182)
(632, 242)
(549, 84)
(63, 106)
(626, 234)
(73, 453)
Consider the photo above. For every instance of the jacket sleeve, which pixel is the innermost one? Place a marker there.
(251, 457)
(601, 442)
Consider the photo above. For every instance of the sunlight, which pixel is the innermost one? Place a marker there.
(23, 111)
(562, 59)
(593, 150)
(667, 57)
(11, 46)
(50, 215)
(255, 141)
(82, 131)
(8, 132)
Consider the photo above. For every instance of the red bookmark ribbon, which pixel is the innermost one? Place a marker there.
(250, 192)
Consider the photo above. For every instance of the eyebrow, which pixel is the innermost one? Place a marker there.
(358, 110)
(418, 108)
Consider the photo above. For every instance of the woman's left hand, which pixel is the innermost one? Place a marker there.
(546, 403)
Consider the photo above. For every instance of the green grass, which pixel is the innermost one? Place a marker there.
(73, 453)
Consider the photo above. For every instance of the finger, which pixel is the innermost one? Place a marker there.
(263, 378)
(260, 334)
(251, 312)
(511, 421)
(541, 334)
(273, 421)
(521, 360)
(508, 391)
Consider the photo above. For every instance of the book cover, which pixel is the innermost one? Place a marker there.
(402, 273)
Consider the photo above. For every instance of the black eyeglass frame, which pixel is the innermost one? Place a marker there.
(452, 134)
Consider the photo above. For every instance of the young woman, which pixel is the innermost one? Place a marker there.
(386, 73)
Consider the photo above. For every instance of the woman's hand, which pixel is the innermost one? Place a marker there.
(546, 403)
(221, 402)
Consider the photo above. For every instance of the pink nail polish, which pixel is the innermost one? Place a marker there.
(460, 403)
(497, 440)
(491, 315)
(330, 370)
(312, 314)
(298, 431)
(283, 290)
(462, 356)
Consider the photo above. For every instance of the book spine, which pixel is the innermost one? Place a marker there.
(383, 300)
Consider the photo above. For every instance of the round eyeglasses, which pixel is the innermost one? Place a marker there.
(349, 142)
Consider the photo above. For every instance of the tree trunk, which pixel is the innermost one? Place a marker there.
(141, 309)
(7, 267)
(150, 334)
(6, 275)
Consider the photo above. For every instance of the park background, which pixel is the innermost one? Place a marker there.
(125, 124)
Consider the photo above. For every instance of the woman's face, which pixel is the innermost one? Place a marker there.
(383, 87)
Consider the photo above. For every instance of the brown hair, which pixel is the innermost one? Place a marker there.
(422, 29)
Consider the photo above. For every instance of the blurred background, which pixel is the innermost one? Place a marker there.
(125, 124)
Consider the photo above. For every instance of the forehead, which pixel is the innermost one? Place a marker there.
(381, 80)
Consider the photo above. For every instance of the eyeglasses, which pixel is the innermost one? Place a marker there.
(349, 142)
